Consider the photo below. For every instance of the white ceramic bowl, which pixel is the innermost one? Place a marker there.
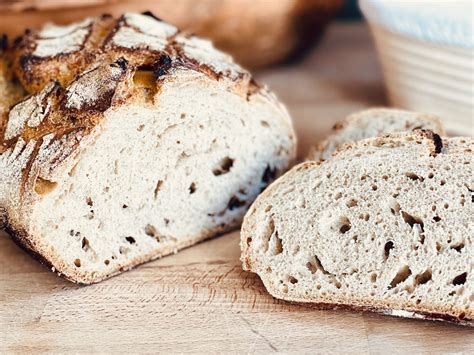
(426, 51)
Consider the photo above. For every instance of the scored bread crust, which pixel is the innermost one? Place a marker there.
(434, 147)
(384, 120)
(78, 74)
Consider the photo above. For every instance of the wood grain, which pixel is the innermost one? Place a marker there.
(200, 300)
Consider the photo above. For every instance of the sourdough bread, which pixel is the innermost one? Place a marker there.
(372, 123)
(137, 140)
(386, 225)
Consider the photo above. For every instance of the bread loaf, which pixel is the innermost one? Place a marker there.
(137, 140)
(255, 32)
(372, 123)
(386, 225)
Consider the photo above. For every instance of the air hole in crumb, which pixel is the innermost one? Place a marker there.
(337, 196)
(319, 266)
(131, 240)
(423, 278)
(412, 220)
(438, 247)
(157, 188)
(462, 315)
(436, 218)
(351, 203)
(338, 284)
(374, 187)
(442, 182)
(293, 280)
(460, 279)
(268, 232)
(77, 262)
(269, 174)
(43, 186)
(345, 225)
(249, 240)
(388, 246)
(106, 261)
(264, 124)
(413, 176)
(223, 167)
(275, 244)
(85, 244)
(89, 202)
(140, 128)
(471, 191)
(458, 247)
(311, 267)
(150, 230)
(394, 207)
(192, 188)
(401, 276)
(430, 175)
(235, 203)
(446, 206)
(373, 277)
(124, 206)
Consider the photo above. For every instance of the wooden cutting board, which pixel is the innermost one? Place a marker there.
(200, 300)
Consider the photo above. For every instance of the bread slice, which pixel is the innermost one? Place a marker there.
(386, 225)
(138, 140)
(372, 123)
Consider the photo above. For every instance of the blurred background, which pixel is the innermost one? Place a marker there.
(324, 58)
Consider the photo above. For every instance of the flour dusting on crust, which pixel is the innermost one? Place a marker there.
(54, 40)
(92, 86)
(149, 25)
(31, 112)
(137, 31)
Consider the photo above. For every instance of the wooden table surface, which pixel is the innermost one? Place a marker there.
(200, 300)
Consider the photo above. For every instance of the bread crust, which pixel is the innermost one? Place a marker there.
(318, 151)
(413, 314)
(21, 238)
(264, 35)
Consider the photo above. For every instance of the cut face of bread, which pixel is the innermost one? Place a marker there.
(133, 160)
(372, 123)
(386, 225)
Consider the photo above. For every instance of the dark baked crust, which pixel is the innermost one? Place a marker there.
(436, 141)
(432, 316)
(98, 46)
(20, 238)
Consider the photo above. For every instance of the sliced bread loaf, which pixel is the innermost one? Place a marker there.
(372, 123)
(138, 140)
(386, 225)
